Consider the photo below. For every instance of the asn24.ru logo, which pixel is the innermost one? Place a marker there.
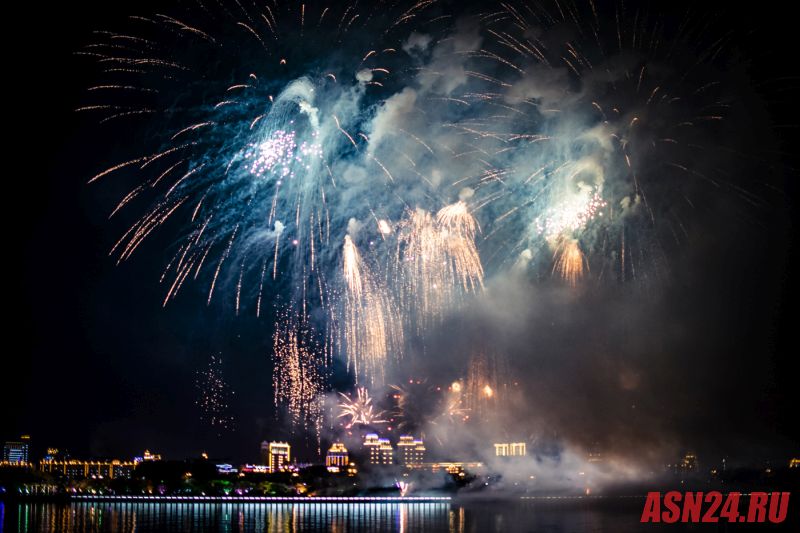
(714, 506)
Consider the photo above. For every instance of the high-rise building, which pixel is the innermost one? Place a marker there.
(387, 452)
(372, 447)
(510, 449)
(17, 452)
(380, 450)
(410, 451)
(337, 456)
(276, 455)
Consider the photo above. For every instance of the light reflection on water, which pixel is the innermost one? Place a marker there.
(289, 518)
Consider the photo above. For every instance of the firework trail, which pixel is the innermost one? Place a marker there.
(485, 383)
(371, 326)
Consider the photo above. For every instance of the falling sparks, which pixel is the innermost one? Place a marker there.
(569, 261)
(370, 322)
(297, 381)
(214, 396)
(438, 262)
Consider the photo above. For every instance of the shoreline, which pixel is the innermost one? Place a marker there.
(78, 498)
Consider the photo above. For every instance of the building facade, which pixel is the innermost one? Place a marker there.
(510, 449)
(276, 455)
(337, 455)
(410, 451)
(17, 452)
(76, 469)
(379, 450)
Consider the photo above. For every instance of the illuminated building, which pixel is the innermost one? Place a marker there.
(689, 463)
(74, 469)
(337, 455)
(410, 451)
(380, 450)
(147, 457)
(255, 469)
(16, 452)
(276, 455)
(510, 449)
(453, 468)
(54, 454)
(226, 468)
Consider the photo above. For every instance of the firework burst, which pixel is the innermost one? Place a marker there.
(359, 410)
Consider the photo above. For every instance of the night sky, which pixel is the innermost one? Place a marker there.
(95, 365)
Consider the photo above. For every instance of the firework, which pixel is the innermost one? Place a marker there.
(418, 403)
(370, 183)
(437, 262)
(453, 411)
(570, 215)
(485, 381)
(371, 326)
(359, 411)
(214, 396)
(298, 378)
(570, 261)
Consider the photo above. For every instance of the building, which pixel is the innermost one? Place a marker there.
(276, 455)
(688, 463)
(459, 468)
(410, 451)
(380, 451)
(226, 468)
(254, 469)
(148, 456)
(510, 449)
(151, 456)
(337, 456)
(17, 452)
(75, 469)
(54, 454)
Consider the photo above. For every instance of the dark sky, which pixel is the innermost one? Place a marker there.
(95, 365)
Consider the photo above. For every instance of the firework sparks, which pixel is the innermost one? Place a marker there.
(297, 380)
(438, 262)
(214, 396)
(359, 410)
(570, 215)
(370, 323)
(569, 261)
